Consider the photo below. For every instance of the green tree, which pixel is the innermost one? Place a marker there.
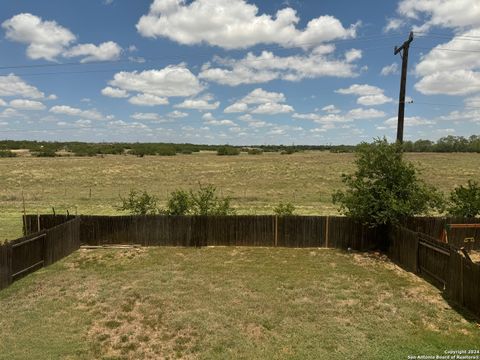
(139, 203)
(284, 209)
(384, 188)
(179, 203)
(465, 201)
(205, 201)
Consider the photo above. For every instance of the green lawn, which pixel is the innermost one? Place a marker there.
(227, 303)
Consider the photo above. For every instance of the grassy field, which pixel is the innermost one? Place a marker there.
(221, 303)
(255, 183)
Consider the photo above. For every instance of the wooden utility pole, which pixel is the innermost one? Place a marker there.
(403, 83)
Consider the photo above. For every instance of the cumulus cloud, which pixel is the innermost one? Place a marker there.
(266, 67)
(272, 109)
(173, 80)
(389, 69)
(368, 95)
(48, 40)
(410, 121)
(12, 85)
(459, 70)
(349, 116)
(23, 104)
(148, 100)
(2, 103)
(114, 92)
(72, 111)
(269, 103)
(198, 104)
(103, 52)
(177, 114)
(449, 14)
(234, 24)
(45, 39)
(209, 119)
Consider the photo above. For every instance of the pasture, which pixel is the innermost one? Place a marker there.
(92, 185)
(220, 303)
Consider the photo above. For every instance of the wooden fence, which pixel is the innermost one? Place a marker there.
(25, 255)
(443, 264)
(288, 231)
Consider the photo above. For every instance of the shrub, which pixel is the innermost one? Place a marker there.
(465, 201)
(179, 203)
(139, 203)
(284, 209)
(205, 201)
(227, 151)
(255, 151)
(45, 153)
(7, 153)
(385, 188)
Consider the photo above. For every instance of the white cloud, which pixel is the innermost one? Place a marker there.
(352, 55)
(173, 80)
(71, 111)
(351, 115)
(371, 100)
(209, 119)
(148, 100)
(267, 67)
(177, 114)
(9, 113)
(83, 123)
(12, 85)
(23, 104)
(198, 104)
(360, 90)
(458, 82)
(331, 109)
(149, 117)
(45, 39)
(409, 121)
(268, 103)
(2, 103)
(444, 13)
(114, 92)
(389, 69)
(272, 109)
(234, 24)
(460, 70)
(106, 51)
(393, 24)
(237, 107)
(368, 95)
(473, 101)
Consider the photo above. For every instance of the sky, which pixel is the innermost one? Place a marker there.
(235, 71)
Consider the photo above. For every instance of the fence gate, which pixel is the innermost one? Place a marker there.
(433, 258)
(28, 255)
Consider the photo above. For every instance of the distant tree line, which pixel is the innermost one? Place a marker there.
(50, 149)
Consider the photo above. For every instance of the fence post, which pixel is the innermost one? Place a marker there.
(417, 249)
(461, 282)
(276, 230)
(326, 231)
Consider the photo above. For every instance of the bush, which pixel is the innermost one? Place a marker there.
(284, 209)
(465, 201)
(45, 153)
(7, 154)
(139, 203)
(205, 201)
(255, 151)
(179, 203)
(385, 188)
(227, 151)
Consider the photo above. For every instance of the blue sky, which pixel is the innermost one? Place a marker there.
(236, 71)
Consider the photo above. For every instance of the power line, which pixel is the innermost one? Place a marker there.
(445, 49)
(436, 104)
(266, 48)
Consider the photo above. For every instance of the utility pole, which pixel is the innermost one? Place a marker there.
(403, 83)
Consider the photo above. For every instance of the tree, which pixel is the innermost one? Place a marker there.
(385, 188)
(179, 203)
(139, 203)
(465, 201)
(205, 201)
(284, 209)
